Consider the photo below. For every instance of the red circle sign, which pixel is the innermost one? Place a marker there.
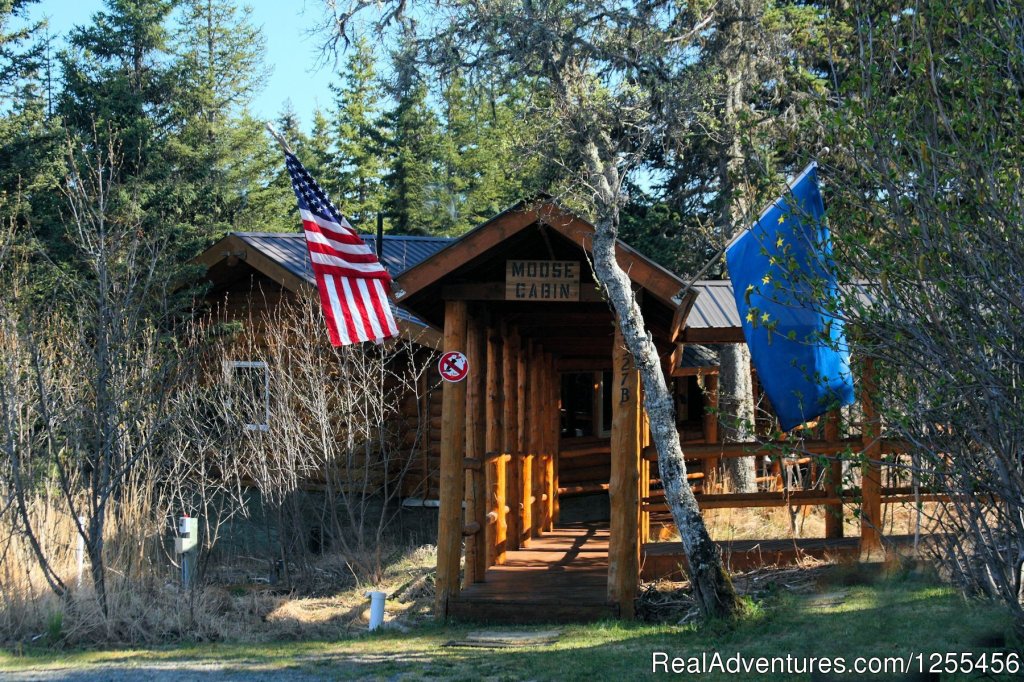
(454, 366)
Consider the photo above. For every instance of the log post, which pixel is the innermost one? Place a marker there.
(555, 435)
(645, 477)
(510, 380)
(710, 465)
(476, 550)
(453, 444)
(494, 443)
(871, 472)
(623, 485)
(537, 424)
(833, 479)
(523, 448)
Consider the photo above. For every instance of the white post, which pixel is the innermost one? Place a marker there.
(376, 609)
(185, 546)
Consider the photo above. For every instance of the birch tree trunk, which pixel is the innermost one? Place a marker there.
(712, 586)
(736, 411)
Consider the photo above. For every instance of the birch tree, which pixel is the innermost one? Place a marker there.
(615, 75)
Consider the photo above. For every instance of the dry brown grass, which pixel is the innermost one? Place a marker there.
(148, 606)
(806, 522)
(158, 611)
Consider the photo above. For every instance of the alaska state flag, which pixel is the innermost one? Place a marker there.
(784, 291)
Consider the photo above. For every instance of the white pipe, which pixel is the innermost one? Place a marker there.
(376, 609)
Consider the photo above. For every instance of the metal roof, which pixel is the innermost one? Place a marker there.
(715, 307)
(401, 252)
(697, 356)
(288, 249)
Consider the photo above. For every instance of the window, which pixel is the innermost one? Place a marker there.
(249, 393)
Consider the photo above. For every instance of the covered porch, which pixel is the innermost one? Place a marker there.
(517, 296)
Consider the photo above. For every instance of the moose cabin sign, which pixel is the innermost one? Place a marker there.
(542, 280)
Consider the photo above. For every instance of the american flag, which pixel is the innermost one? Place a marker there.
(352, 282)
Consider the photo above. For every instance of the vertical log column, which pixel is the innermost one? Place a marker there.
(833, 479)
(475, 495)
(496, 464)
(537, 424)
(645, 475)
(710, 464)
(453, 443)
(523, 447)
(510, 362)
(554, 430)
(624, 484)
(871, 472)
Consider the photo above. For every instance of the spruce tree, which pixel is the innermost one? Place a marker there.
(220, 152)
(358, 160)
(414, 200)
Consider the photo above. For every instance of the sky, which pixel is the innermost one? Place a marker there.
(292, 55)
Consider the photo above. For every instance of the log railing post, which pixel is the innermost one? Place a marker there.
(476, 550)
(523, 448)
(624, 483)
(510, 363)
(496, 464)
(453, 444)
(536, 440)
(871, 472)
(554, 436)
(833, 479)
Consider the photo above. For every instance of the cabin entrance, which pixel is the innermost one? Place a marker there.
(584, 462)
(540, 463)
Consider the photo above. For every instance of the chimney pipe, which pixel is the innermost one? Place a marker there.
(380, 235)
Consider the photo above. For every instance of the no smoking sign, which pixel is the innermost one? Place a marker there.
(453, 366)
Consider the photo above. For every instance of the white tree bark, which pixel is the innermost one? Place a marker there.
(712, 586)
(736, 413)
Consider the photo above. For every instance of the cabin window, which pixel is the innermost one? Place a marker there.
(249, 393)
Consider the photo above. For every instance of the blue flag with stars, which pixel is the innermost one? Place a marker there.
(786, 295)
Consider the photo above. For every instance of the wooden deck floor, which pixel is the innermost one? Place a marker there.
(561, 577)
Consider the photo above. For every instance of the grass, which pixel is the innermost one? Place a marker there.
(841, 618)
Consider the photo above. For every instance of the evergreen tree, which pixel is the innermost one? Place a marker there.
(316, 153)
(19, 55)
(118, 81)
(413, 202)
(358, 163)
(220, 154)
(270, 202)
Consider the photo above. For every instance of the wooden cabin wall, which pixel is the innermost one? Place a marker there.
(250, 296)
(423, 477)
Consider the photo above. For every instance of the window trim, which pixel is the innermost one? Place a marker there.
(229, 371)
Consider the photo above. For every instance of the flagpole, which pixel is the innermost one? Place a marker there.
(790, 184)
(280, 138)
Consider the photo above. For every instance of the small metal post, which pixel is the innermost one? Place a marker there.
(185, 546)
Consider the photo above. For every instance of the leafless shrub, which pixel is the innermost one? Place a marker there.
(336, 426)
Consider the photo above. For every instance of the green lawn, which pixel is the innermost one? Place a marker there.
(889, 618)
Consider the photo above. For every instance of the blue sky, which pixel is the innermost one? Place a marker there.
(291, 53)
